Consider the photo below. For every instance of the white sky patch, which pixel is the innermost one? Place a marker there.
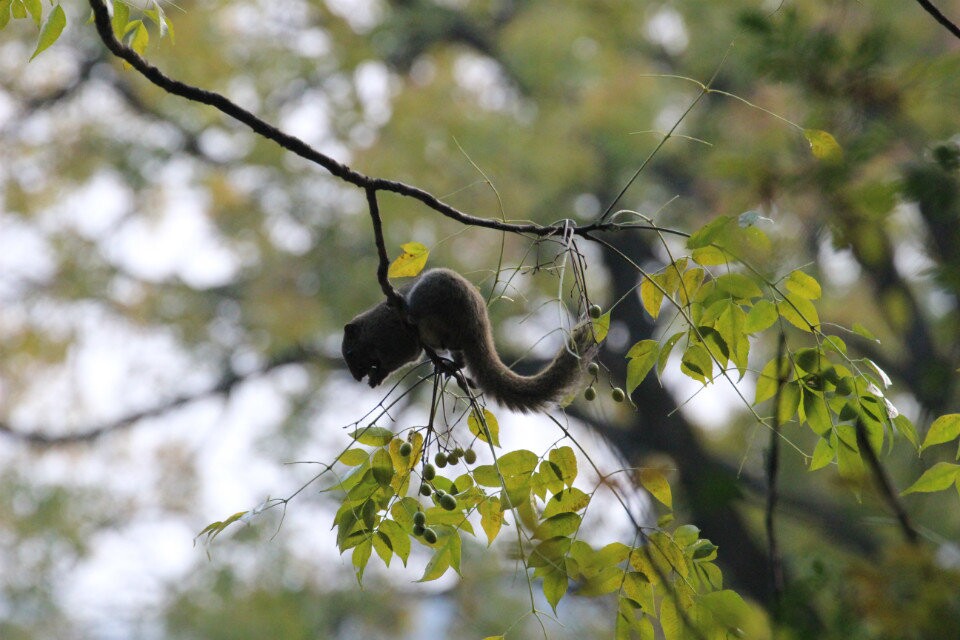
(25, 256)
(481, 78)
(373, 82)
(361, 15)
(179, 241)
(667, 29)
(713, 406)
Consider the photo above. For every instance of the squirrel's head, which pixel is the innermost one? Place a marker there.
(377, 342)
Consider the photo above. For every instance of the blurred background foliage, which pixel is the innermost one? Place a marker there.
(172, 289)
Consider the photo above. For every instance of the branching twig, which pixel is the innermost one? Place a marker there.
(304, 150)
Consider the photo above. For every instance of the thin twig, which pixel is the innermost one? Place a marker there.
(887, 492)
(383, 265)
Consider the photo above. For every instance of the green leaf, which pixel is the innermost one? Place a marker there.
(803, 285)
(35, 9)
(709, 256)
(601, 326)
(816, 413)
(727, 607)
(862, 331)
(562, 524)
(554, 586)
(51, 29)
(944, 429)
(491, 518)
(655, 482)
(360, 557)
(651, 296)
(823, 145)
(937, 478)
(642, 355)
(799, 312)
(665, 351)
(789, 401)
(823, 454)
(739, 286)
(354, 457)
(399, 539)
(382, 467)
(905, 427)
(707, 233)
(372, 436)
(521, 462)
(697, 364)
(140, 38)
(410, 262)
(567, 501)
(120, 19)
(761, 316)
(564, 461)
(486, 475)
(484, 426)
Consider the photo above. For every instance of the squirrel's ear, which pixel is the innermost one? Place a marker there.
(351, 329)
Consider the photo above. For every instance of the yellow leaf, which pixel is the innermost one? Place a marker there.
(823, 145)
(410, 262)
(656, 483)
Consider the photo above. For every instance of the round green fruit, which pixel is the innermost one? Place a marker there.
(590, 394)
(429, 535)
(419, 519)
(448, 502)
(469, 456)
(406, 449)
(593, 369)
(618, 395)
(429, 472)
(595, 311)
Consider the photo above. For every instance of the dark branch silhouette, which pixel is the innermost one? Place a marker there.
(939, 17)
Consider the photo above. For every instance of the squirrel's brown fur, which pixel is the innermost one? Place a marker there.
(447, 313)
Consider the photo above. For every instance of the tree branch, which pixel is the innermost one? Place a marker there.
(228, 381)
(299, 147)
(939, 17)
(773, 494)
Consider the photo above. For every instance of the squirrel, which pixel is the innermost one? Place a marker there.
(446, 312)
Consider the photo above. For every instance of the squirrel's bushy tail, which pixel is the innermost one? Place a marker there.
(531, 393)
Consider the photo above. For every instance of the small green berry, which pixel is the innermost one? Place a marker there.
(429, 535)
(469, 456)
(618, 395)
(590, 394)
(440, 493)
(453, 458)
(593, 369)
(595, 311)
(419, 530)
(448, 502)
(429, 472)
(406, 449)
(425, 489)
(419, 519)
(440, 459)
